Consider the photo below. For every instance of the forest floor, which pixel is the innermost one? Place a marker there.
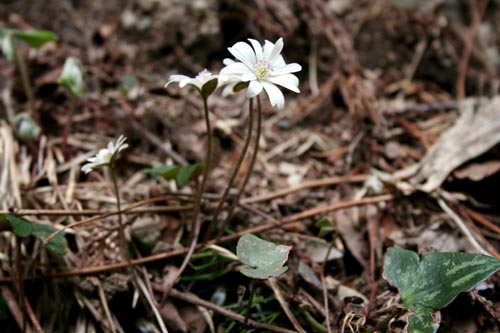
(394, 138)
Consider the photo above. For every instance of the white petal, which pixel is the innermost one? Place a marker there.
(276, 50)
(175, 78)
(244, 53)
(275, 95)
(258, 49)
(254, 88)
(290, 68)
(235, 68)
(278, 62)
(268, 48)
(248, 77)
(228, 61)
(288, 81)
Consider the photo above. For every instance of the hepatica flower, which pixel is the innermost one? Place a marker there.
(264, 68)
(106, 156)
(205, 82)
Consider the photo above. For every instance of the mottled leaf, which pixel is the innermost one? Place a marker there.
(435, 281)
(265, 259)
(423, 322)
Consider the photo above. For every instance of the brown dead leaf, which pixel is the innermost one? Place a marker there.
(478, 171)
(476, 131)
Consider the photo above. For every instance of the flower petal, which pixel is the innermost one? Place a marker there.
(235, 68)
(258, 49)
(290, 68)
(288, 81)
(275, 95)
(276, 50)
(267, 49)
(254, 88)
(175, 78)
(244, 53)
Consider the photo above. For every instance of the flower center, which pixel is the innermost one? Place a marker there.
(204, 75)
(262, 70)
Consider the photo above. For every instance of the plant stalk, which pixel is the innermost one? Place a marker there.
(23, 71)
(236, 169)
(67, 127)
(249, 304)
(235, 202)
(196, 222)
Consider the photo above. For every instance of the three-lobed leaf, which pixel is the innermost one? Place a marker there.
(430, 284)
(265, 259)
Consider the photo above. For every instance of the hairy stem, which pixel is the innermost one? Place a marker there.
(235, 170)
(196, 223)
(235, 202)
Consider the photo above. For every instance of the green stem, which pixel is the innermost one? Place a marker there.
(235, 170)
(249, 304)
(235, 202)
(196, 223)
(23, 71)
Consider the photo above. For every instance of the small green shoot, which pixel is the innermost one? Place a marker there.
(71, 77)
(430, 284)
(181, 174)
(23, 228)
(325, 226)
(9, 42)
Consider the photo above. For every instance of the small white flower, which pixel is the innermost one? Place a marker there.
(205, 82)
(105, 156)
(263, 67)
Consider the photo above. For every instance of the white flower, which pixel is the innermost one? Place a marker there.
(263, 68)
(105, 156)
(205, 82)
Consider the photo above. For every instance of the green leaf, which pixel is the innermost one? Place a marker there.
(325, 226)
(265, 259)
(167, 172)
(57, 244)
(188, 172)
(24, 228)
(71, 77)
(208, 88)
(434, 282)
(423, 322)
(182, 175)
(36, 38)
(26, 127)
(8, 46)
(20, 227)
